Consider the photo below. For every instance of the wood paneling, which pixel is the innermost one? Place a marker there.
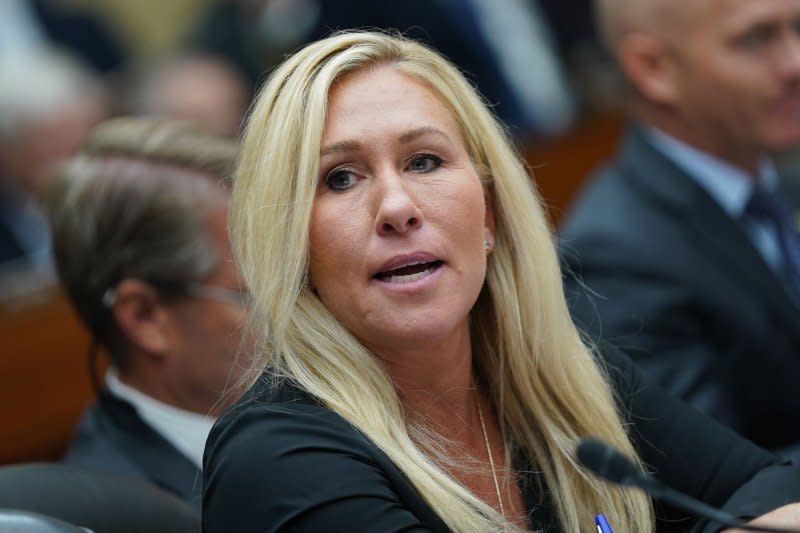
(44, 381)
(561, 165)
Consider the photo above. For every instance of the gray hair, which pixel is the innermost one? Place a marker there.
(133, 204)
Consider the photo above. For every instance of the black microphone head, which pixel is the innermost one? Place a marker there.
(607, 463)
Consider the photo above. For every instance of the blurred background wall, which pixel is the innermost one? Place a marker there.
(149, 28)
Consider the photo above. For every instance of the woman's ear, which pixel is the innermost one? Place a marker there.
(488, 221)
(141, 316)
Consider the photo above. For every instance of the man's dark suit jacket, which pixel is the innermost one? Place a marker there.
(112, 437)
(668, 275)
(11, 249)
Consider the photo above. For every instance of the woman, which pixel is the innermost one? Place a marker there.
(420, 371)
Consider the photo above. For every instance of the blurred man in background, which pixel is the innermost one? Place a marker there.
(199, 88)
(139, 228)
(49, 101)
(506, 47)
(686, 247)
(65, 25)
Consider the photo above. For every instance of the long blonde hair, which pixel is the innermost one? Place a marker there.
(546, 386)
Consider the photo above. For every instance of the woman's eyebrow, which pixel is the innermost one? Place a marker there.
(405, 138)
(414, 134)
(343, 146)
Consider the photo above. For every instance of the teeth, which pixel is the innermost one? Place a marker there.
(408, 278)
(410, 264)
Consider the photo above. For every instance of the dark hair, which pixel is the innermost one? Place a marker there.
(133, 204)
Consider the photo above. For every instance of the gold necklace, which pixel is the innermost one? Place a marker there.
(489, 453)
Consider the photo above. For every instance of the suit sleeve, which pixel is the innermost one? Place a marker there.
(696, 455)
(655, 319)
(298, 469)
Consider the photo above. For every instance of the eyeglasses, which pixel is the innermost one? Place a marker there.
(196, 290)
(220, 294)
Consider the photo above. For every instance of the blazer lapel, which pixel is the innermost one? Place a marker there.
(163, 464)
(720, 238)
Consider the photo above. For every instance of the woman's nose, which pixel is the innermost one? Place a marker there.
(398, 210)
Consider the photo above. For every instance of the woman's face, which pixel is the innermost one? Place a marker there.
(400, 216)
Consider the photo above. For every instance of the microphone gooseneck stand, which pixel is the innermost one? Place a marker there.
(608, 463)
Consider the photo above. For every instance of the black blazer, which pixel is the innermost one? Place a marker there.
(112, 437)
(280, 461)
(677, 283)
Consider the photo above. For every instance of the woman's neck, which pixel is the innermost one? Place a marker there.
(436, 383)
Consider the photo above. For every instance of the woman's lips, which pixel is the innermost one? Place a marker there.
(409, 272)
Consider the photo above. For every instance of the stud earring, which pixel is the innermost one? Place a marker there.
(486, 244)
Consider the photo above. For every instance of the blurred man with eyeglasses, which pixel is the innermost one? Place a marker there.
(140, 240)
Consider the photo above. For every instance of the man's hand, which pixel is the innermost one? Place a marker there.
(787, 516)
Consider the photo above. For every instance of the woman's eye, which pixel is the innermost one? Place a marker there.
(756, 38)
(424, 163)
(340, 180)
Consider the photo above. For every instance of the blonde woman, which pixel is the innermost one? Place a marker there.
(419, 370)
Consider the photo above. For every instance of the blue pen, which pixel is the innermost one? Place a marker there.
(602, 524)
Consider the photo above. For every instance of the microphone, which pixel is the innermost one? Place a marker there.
(607, 463)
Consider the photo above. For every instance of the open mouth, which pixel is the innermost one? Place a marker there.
(409, 273)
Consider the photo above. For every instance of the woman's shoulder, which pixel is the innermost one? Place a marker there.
(275, 414)
(279, 429)
(280, 457)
